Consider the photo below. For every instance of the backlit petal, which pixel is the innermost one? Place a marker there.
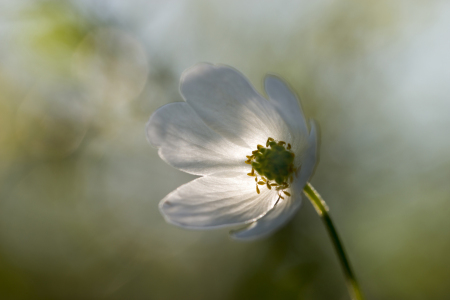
(210, 202)
(185, 142)
(309, 158)
(228, 103)
(287, 104)
(286, 209)
(272, 221)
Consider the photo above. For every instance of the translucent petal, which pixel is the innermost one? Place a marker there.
(309, 158)
(288, 106)
(273, 220)
(286, 209)
(210, 202)
(286, 103)
(185, 142)
(228, 103)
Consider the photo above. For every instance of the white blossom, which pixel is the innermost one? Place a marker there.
(224, 131)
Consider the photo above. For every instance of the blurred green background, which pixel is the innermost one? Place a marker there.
(80, 186)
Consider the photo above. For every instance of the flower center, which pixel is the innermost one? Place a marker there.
(274, 164)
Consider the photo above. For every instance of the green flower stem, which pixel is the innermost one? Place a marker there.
(322, 209)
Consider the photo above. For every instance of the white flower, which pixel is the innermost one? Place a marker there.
(231, 136)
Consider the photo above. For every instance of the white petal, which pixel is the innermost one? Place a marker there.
(227, 103)
(309, 158)
(210, 202)
(273, 220)
(286, 103)
(186, 142)
(285, 210)
(288, 106)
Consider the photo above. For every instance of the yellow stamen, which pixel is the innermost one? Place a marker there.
(259, 159)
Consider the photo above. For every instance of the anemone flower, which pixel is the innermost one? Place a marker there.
(254, 156)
